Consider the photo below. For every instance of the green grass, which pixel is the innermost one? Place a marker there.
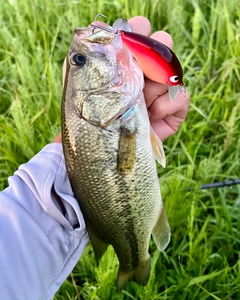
(203, 258)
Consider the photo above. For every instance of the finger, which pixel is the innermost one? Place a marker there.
(58, 139)
(140, 25)
(167, 124)
(152, 90)
(162, 106)
(163, 37)
(163, 129)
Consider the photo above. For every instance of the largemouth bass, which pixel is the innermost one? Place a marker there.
(110, 151)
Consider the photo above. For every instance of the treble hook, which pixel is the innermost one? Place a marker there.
(98, 26)
(99, 15)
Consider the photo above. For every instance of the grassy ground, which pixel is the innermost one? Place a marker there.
(202, 260)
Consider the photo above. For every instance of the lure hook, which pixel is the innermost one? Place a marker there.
(99, 15)
(182, 89)
(98, 26)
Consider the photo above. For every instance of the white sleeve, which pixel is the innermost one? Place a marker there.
(40, 242)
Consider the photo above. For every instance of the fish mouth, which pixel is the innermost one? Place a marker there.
(100, 37)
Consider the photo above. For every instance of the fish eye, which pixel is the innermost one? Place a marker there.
(174, 79)
(78, 59)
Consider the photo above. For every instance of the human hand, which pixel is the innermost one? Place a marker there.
(165, 116)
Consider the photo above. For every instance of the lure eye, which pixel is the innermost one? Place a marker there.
(174, 79)
(78, 59)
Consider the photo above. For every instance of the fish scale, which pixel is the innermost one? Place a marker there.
(121, 206)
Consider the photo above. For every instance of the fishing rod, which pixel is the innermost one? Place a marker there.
(217, 184)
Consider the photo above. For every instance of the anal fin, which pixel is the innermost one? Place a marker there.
(162, 232)
(98, 245)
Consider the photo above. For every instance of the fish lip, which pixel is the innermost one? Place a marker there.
(77, 30)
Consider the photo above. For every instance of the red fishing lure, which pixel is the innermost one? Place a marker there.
(157, 61)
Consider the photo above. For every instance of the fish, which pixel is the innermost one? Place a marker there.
(111, 150)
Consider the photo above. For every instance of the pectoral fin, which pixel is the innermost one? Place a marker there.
(162, 232)
(126, 151)
(157, 147)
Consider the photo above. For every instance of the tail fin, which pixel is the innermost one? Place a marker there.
(140, 275)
